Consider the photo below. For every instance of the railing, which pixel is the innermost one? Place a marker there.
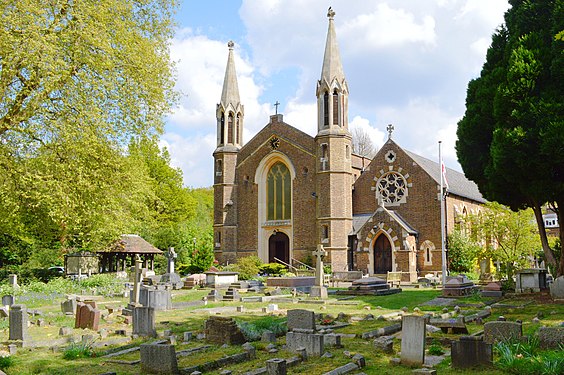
(305, 270)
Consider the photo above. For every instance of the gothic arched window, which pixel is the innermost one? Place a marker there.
(335, 108)
(222, 129)
(230, 128)
(237, 138)
(278, 193)
(326, 109)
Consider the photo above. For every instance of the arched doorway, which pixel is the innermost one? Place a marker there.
(279, 247)
(382, 255)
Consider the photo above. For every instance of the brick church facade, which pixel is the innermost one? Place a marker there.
(284, 192)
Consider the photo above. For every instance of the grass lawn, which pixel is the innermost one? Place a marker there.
(191, 318)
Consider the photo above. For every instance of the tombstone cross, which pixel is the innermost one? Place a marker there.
(171, 255)
(319, 253)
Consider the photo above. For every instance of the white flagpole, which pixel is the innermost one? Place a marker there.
(442, 195)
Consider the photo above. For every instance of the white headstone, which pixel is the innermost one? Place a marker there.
(413, 340)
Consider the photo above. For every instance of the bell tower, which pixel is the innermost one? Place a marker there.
(229, 116)
(333, 140)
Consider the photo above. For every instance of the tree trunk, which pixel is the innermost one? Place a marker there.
(548, 253)
(559, 213)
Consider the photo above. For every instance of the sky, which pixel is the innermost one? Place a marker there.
(407, 62)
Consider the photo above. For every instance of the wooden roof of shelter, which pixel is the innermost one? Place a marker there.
(133, 244)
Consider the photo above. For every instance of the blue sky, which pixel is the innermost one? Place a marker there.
(407, 62)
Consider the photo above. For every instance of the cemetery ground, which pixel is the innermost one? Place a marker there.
(359, 315)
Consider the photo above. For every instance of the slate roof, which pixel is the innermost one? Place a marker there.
(458, 183)
(133, 244)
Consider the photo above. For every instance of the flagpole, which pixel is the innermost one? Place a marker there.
(442, 198)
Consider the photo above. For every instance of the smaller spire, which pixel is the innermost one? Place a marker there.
(230, 93)
(332, 67)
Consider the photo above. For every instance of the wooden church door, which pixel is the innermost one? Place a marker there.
(382, 255)
(279, 247)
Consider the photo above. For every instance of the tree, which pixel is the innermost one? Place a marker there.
(362, 144)
(511, 138)
(77, 81)
(511, 237)
(462, 252)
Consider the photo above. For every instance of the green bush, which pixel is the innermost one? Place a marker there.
(248, 267)
(462, 252)
(436, 349)
(273, 269)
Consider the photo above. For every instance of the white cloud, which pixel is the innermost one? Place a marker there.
(377, 136)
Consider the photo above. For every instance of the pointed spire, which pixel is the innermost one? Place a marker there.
(332, 67)
(230, 93)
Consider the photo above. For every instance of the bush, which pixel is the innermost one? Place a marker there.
(248, 267)
(5, 360)
(462, 252)
(273, 269)
(436, 349)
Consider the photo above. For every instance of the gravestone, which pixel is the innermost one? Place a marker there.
(223, 330)
(369, 286)
(13, 280)
(134, 299)
(299, 318)
(502, 331)
(551, 337)
(18, 323)
(158, 359)
(214, 296)
(454, 326)
(276, 366)
(144, 321)
(458, 286)
(159, 299)
(384, 344)
(4, 312)
(319, 289)
(557, 288)
(471, 351)
(171, 276)
(8, 300)
(413, 340)
(268, 336)
(312, 342)
(492, 290)
(232, 294)
(68, 306)
(87, 317)
(530, 280)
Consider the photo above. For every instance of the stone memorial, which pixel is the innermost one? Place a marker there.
(369, 286)
(413, 340)
(502, 331)
(223, 330)
(18, 321)
(158, 359)
(302, 319)
(458, 286)
(87, 317)
(193, 281)
(531, 280)
(453, 326)
(493, 289)
(144, 321)
(218, 279)
(232, 294)
(276, 366)
(319, 289)
(312, 342)
(156, 297)
(214, 296)
(171, 277)
(551, 337)
(13, 280)
(471, 351)
(384, 344)
(557, 288)
(68, 306)
(8, 300)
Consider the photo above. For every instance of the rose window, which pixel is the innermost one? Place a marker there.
(392, 188)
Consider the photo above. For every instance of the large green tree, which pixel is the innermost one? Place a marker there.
(511, 138)
(78, 80)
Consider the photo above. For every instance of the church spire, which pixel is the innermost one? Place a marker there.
(332, 68)
(230, 93)
(332, 90)
(229, 111)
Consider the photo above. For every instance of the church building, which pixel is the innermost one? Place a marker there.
(284, 192)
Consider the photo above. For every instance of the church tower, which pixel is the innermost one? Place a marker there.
(229, 115)
(333, 141)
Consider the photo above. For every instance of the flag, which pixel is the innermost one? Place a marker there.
(443, 174)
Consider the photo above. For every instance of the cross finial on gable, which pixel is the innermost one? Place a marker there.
(276, 105)
(390, 129)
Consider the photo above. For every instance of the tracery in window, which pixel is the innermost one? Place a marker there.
(392, 188)
(278, 192)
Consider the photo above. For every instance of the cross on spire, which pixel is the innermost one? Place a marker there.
(390, 129)
(276, 106)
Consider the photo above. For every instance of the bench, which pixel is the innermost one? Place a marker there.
(393, 278)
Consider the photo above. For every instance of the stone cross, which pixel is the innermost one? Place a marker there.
(137, 281)
(390, 129)
(171, 255)
(276, 106)
(319, 253)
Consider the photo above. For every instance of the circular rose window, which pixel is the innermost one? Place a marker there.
(392, 188)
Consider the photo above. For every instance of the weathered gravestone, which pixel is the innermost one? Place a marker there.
(223, 330)
(557, 288)
(312, 342)
(68, 306)
(384, 344)
(8, 300)
(18, 323)
(530, 280)
(144, 321)
(302, 319)
(214, 296)
(413, 340)
(492, 290)
(453, 326)
(471, 351)
(502, 331)
(87, 317)
(159, 299)
(276, 366)
(158, 359)
(551, 337)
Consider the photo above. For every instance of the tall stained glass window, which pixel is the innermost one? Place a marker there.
(278, 192)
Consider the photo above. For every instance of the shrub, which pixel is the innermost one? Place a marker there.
(436, 349)
(78, 350)
(5, 360)
(248, 267)
(273, 269)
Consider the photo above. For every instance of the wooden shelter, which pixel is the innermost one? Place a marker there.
(123, 252)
